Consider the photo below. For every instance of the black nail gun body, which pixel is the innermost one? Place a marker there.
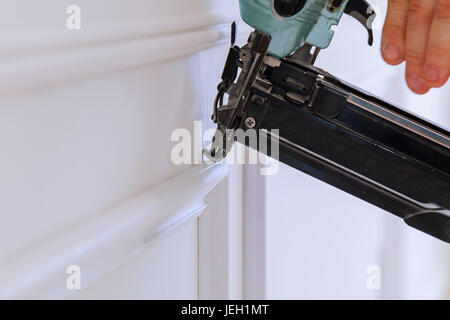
(339, 134)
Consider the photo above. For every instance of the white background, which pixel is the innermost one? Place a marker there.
(320, 241)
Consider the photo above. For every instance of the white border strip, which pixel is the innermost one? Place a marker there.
(255, 234)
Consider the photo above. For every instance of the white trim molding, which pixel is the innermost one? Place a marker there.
(214, 247)
(50, 58)
(108, 240)
(255, 238)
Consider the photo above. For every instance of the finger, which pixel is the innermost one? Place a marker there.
(420, 17)
(394, 32)
(437, 60)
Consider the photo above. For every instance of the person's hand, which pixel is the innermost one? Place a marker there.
(418, 31)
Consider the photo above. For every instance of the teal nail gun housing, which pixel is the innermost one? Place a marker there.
(294, 23)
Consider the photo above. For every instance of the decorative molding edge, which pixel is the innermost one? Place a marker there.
(50, 59)
(44, 41)
(214, 247)
(103, 243)
(221, 243)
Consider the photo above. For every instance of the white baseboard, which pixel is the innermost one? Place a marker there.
(103, 243)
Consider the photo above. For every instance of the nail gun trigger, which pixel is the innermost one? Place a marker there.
(362, 11)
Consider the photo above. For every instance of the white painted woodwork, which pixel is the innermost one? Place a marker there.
(255, 234)
(85, 125)
(107, 241)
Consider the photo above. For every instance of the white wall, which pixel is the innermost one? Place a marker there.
(86, 119)
(320, 241)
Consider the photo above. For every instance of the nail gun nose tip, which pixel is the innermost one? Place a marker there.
(211, 156)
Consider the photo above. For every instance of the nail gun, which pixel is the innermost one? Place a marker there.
(328, 128)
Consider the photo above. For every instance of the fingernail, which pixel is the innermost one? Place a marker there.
(390, 52)
(431, 74)
(415, 82)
